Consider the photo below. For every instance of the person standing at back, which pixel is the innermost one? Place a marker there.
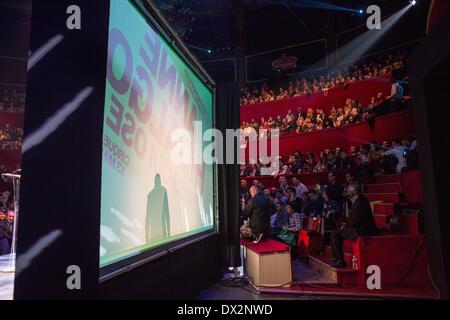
(257, 212)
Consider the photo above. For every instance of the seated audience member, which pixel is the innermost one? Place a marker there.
(349, 180)
(333, 189)
(257, 212)
(295, 222)
(372, 104)
(375, 156)
(254, 171)
(268, 195)
(6, 232)
(291, 195)
(279, 219)
(299, 187)
(244, 191)
(411, 153)
(344, 162)
(315, 206)
(397, 151)
(297, 165)
(245, 170)
(320, 187)
(320, 166)
(280, 197)
(396, 96)
(304, 203)
(289, 233)
(331, 211)
(292, 198)
(283, 185)
(364, 163)
(360, 223)
(4, 199)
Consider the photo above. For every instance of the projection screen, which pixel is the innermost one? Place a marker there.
(150, 201)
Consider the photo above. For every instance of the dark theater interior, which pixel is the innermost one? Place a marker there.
(206, 151)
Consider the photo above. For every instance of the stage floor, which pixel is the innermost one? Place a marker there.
(302, 272)
(309, 284)
(6, 280)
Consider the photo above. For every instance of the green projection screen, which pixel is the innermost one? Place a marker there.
(149, 200)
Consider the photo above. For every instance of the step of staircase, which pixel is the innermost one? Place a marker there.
(388, 178)
(383, 208)
(321, 263)
(383, 187)
(385, 197)
(348, 252)
(382, 220)
(408, 224)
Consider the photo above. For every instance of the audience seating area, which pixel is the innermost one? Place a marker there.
(385, 128)
(361, 90)
(400, 249)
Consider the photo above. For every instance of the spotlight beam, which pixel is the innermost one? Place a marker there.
(358, 47)
(199, 48)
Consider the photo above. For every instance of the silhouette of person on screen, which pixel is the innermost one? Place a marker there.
(157, 223)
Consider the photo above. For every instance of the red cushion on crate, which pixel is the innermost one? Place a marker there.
(245, 242)
(268, 246)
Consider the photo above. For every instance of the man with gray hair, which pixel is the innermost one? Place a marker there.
(360, 223)
(257, 214)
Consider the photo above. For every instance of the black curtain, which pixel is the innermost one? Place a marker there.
(228, 117)
(428, 68)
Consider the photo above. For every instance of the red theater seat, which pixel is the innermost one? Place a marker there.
(310, 240)
(402, 260)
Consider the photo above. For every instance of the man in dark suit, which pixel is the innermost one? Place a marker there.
(6, 233)
(257, 211)
(360, 223)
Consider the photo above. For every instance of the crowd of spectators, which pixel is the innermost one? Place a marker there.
(323, 82)
(316, 119)
(291, 201)
(371, 159)
(11, 100)
(10, 137)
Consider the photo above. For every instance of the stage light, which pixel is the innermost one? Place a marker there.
(361, 11)
(208, 51)
(413, 2)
